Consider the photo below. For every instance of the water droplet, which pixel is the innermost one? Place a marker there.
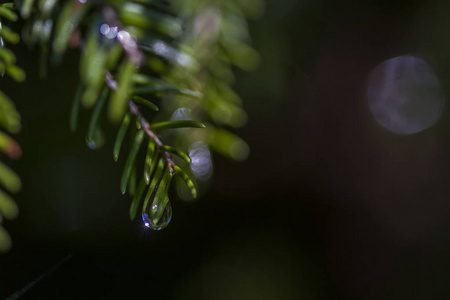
(97, 141)
(162, 222)
(153, 216)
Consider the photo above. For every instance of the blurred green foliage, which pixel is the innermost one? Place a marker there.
(9, 121)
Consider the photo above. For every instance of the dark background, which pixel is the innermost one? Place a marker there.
(329, 205)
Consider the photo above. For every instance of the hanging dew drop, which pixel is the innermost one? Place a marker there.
(91, 144)
(162, 222)
(97, 141)
(157, 212)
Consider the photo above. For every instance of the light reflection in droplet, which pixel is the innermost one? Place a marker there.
(405, 95)
(161, 223)
(201, 163)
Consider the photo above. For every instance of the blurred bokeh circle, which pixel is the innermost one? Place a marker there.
(405, 95)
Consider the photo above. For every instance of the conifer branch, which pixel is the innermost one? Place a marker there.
(134, 48)
(112, 84)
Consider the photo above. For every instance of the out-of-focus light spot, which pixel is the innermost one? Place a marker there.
(207, 23)
(160, 48)
(164, 50)
(46, 29)
(201, 164)
(405, 95)
(124, 36)
(147, 224)
(182, 114)
(222, 114)
(1, 40)
(239, 150)
(183, 59)
(130, 46)
(82, 1)
(110, 32)
(37, 26)
(104, 29)
(47, 6)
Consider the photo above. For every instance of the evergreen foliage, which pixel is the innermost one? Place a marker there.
(9, 121)
(150, 66)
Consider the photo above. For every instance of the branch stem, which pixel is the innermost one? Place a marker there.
(134, 109)
(125, 39)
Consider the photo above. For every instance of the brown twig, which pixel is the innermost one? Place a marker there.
(135, 55)
(112, 84)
